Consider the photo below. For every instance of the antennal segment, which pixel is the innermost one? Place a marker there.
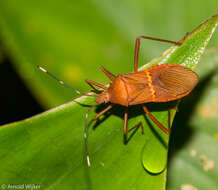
(60, 81)
(85, 135)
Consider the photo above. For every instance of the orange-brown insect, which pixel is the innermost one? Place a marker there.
(160, 83)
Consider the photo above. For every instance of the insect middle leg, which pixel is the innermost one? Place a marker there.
(137, 47)
(125, 130)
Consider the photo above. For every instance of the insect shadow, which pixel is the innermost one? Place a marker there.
(118, 111)
(157, 108)
(182, 131)
(134, 111)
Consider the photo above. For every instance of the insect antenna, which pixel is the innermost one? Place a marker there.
(62, 82)
(85, 134)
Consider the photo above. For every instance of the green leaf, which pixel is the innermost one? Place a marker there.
(48, 149)
(196, 131)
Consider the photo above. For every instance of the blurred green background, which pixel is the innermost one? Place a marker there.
(72, 39)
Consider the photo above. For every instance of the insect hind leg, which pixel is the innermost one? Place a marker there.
(137, 47)
(164, 129)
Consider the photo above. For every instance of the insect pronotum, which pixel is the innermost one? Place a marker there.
(160, 83)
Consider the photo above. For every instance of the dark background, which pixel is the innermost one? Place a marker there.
(17, 103)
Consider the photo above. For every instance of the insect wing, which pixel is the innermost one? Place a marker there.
(172, 82)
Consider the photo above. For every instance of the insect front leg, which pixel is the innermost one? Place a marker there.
(107, 73)
(93, 83)
(86, 127)
(103, 111)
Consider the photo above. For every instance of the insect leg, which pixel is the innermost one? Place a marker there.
(60, 81)
(97, 91)
(155, 120)
(91, 83)
(137, 47)
(125, 121)
(169, 120)
(86, 127)
(107, 73)
(103, 111)
(125, 131)
(136, 126)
